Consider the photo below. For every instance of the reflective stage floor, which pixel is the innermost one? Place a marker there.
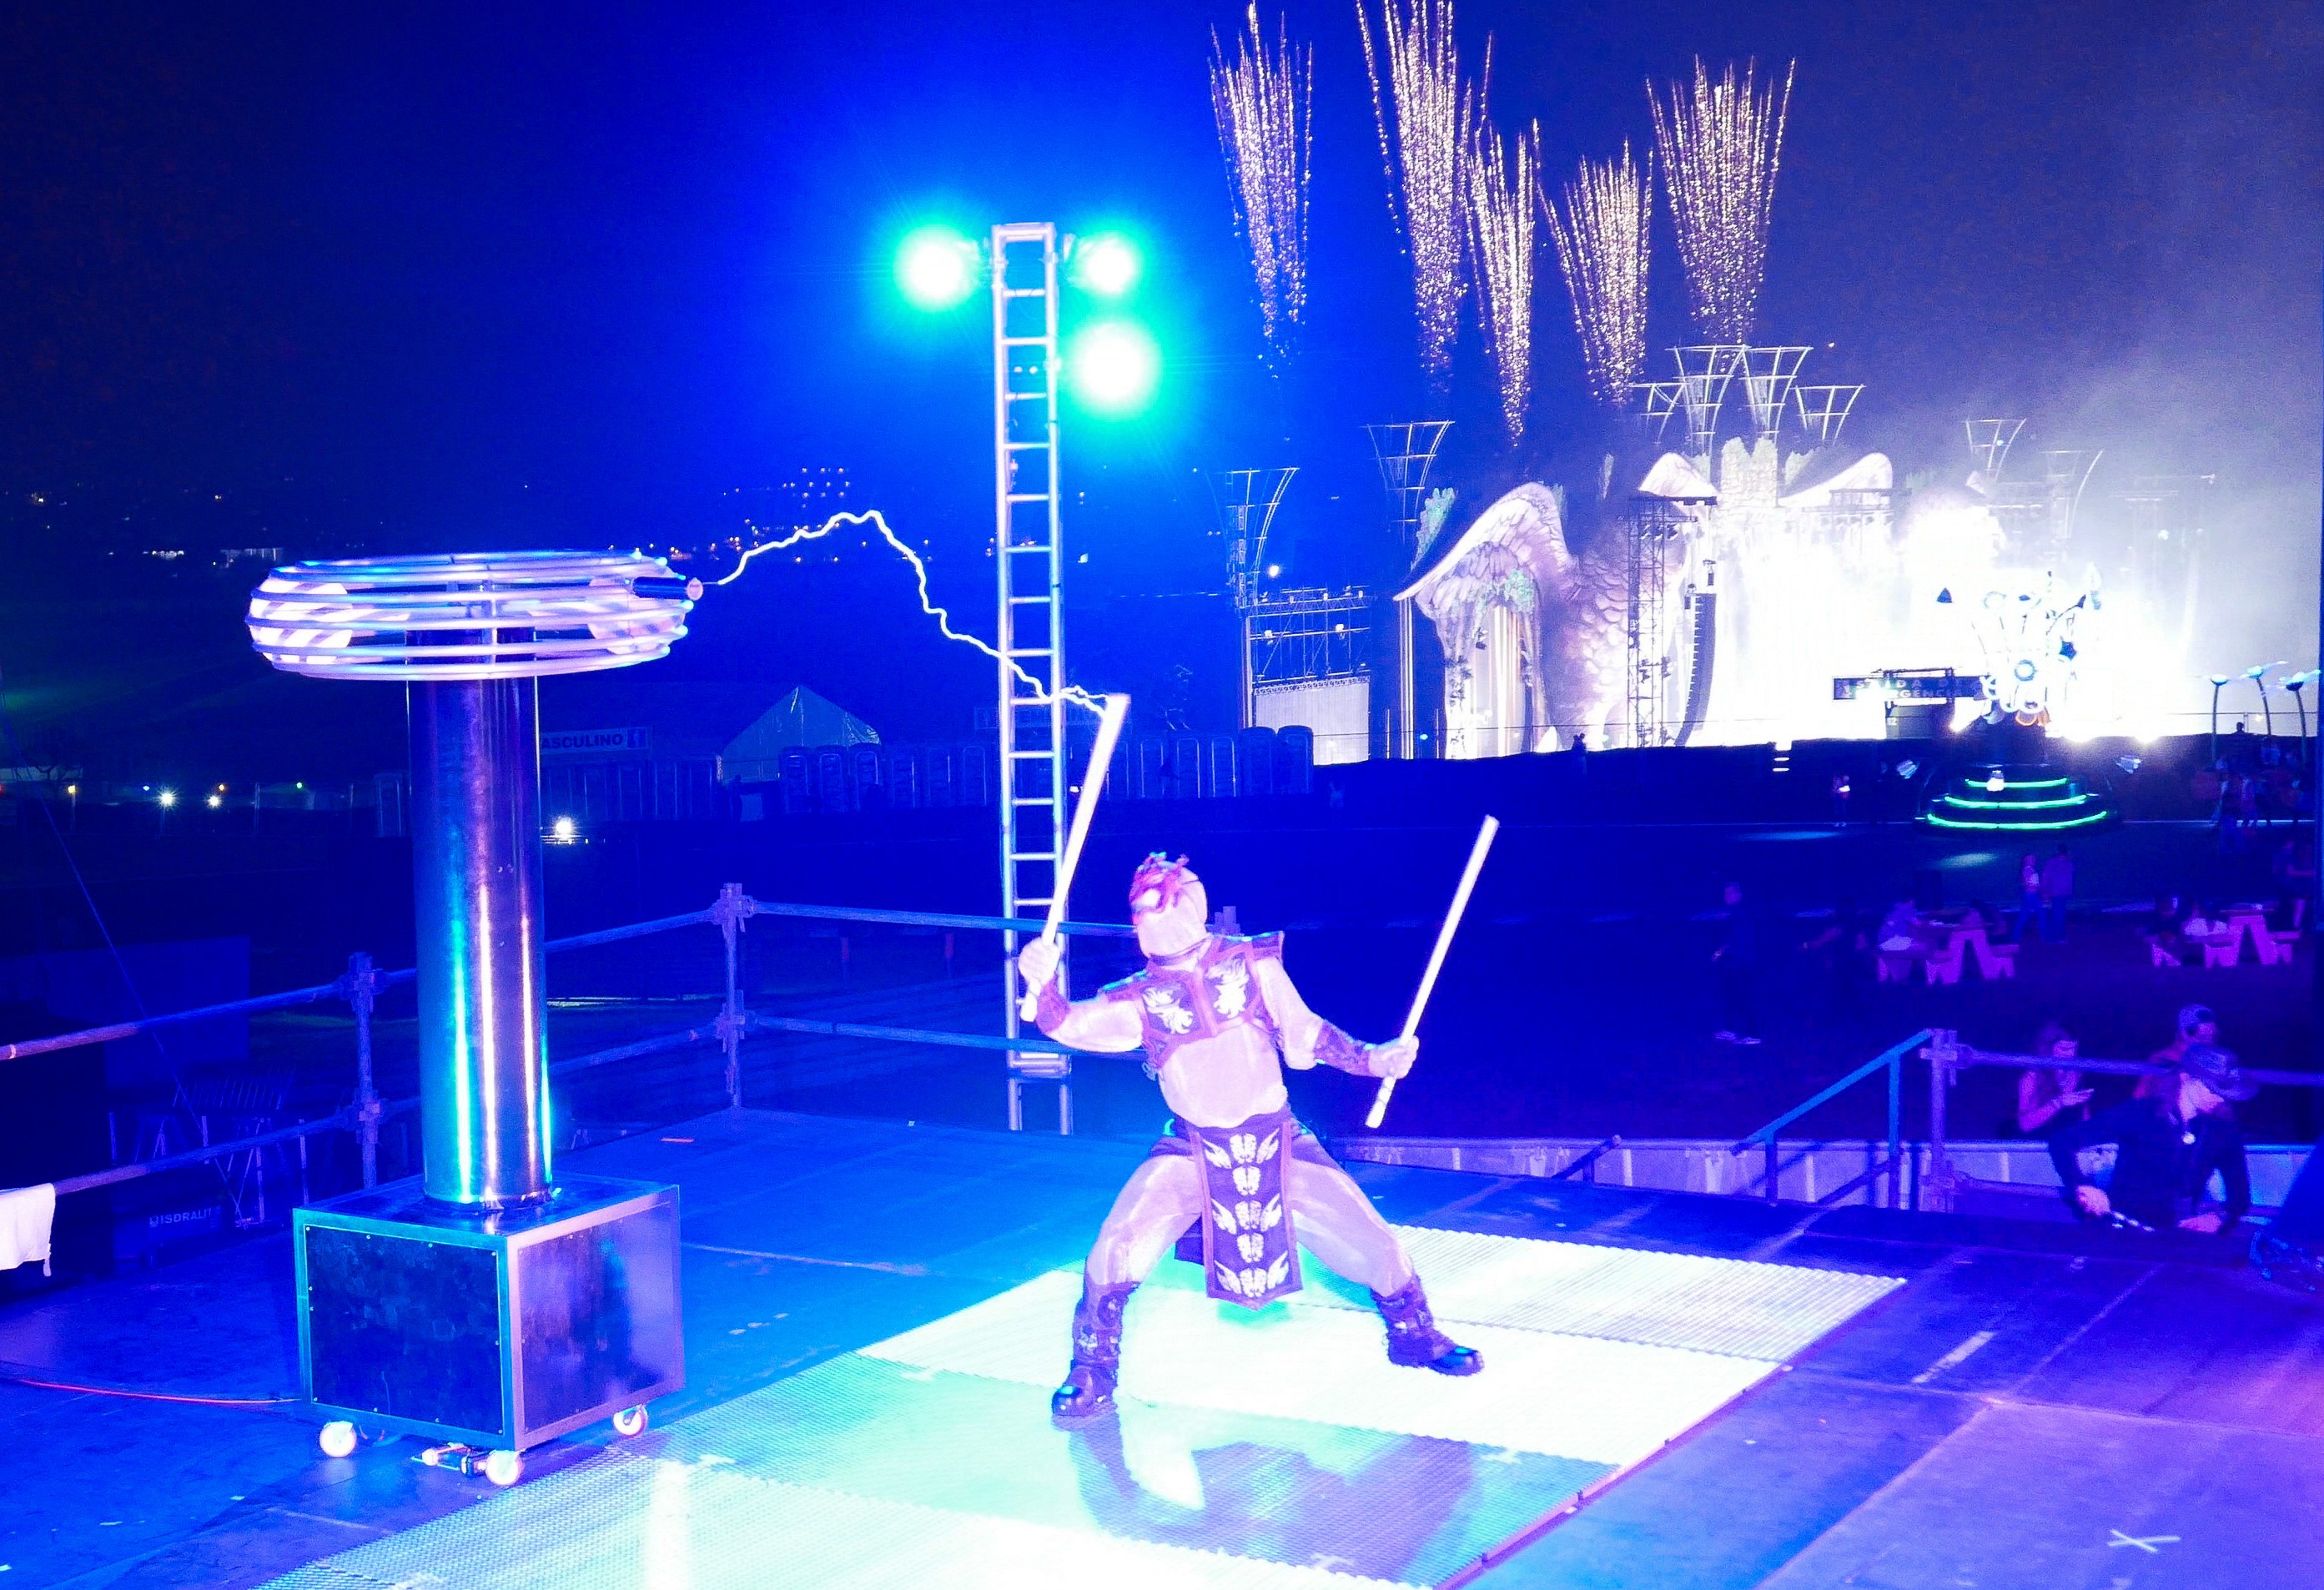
(1680, 1390)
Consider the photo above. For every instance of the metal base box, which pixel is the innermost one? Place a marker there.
(502, 1329)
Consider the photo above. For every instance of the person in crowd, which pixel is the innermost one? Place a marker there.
(1839, 950)
(1900, 930)
(2197, 1023)
(2048, 1100)
(1736, 959)
(2056, 893)
(2293, 868)
(2029, 897)
(2168, 1145)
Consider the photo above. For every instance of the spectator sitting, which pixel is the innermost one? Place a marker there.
(2050, 1101)
(2197, 1023)
(2167, 1147)
(2164, 928)
(1900, 930)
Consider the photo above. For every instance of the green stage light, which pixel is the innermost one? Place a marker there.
(1114, 366)
(936, 267)
(1107, 265)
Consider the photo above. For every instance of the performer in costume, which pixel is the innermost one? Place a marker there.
(1214, 1014)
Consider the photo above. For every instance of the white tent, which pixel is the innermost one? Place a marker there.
(799, 718)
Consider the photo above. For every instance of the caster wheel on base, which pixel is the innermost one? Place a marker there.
(630, 1421)
(505, 1468)
(338, 1439)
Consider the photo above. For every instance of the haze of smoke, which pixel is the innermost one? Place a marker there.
(1604, 241)
(1721, 148)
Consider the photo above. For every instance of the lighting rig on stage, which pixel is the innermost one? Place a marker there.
(1112, 365)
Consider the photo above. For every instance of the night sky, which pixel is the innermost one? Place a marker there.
(499, 274)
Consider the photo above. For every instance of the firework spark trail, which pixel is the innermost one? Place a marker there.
(1721, 148)
(1604, 241)
(1261, 101)
(872, 517)
(1503, 180)
(1420, 144)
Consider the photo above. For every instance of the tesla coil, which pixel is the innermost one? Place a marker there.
(485, 1302)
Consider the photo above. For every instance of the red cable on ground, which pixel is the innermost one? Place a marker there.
(26, 1380)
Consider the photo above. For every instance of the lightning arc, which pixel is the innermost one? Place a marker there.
(872, 516)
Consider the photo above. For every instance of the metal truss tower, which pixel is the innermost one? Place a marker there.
(1988, 444)
(1654, 522)
(1028, 555)
(1703, 373)
(1406, 451)
(1657, 402)
(1824, 410)
(1769, 373)
(1247, 501)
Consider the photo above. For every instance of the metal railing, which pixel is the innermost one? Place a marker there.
(362, 982)
(1890, 1060)
(1938, 1184)
(1948, 1057)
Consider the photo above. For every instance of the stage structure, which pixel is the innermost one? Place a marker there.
(486, 1303)
(1305, 662)
(1823, 411)
(1028, 555)
(1704, 375)
(2038, 514)
(1646, 422)
(1247, 501)
(1406, 451)
(1657, 536)
(1769, 373)
(1989, 441)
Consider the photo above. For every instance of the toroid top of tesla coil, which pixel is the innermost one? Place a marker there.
(469, 615)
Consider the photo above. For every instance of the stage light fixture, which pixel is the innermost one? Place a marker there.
(215, 801)
(935, 268)
(564, 830)
(168, 798)
(1114, 366)
(1107, 265)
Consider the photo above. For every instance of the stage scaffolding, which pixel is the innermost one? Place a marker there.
(1703, 374)
(1312, 644)
(2038, 513)
(1824, 410)
(1404, 451)
(1028, 553)
(1247, 500)
(1654, 524)
(1988, 444)
(1769, 373)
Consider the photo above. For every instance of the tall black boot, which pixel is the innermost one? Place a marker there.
(1088, 1389)
(1414, 1342)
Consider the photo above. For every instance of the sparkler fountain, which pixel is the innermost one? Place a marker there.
(1604, 240)
(1503, 178)
(488, 1304)
(1418, 106)
(1261, 101)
